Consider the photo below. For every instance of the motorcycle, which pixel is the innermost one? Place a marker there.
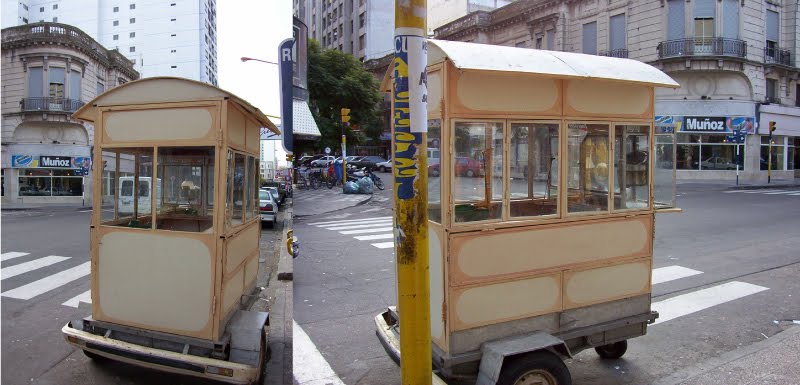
(355, 174)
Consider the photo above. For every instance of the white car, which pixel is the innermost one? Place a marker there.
(323, 162)
(268, 207)
(384, 166)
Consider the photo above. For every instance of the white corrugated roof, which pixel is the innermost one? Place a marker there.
(303, 122)
(473, 56)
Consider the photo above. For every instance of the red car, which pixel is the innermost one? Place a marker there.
(468, 167)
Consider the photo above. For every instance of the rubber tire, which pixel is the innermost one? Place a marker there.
(379, 184)
(383, 168)
(514, 368)
(612, 351)
(94, 356)
(435, 172)
(469, 173)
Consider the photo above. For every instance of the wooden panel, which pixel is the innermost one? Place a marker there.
(251, 271)
(434, 92)
(253, 136)
(483, 305)
(483, 256)
(582, 288)
(232, 292)
(436, 263)
(236, 126)
(607, 99)
(157, 125)
(511, 94)
(155, 281)
(239, 246)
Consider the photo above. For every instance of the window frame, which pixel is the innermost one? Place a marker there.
(507, 208)
(565, 170)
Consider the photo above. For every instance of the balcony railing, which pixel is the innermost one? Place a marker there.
(620, 52)
(774, 55)
(715, 46)
(47, 104)
(772, 100)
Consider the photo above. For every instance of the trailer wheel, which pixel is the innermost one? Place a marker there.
(612, 351)
(540, 367)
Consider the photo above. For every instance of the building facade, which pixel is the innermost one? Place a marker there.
(735, 61)
(441, 12)
(49, 71)
(162, 38)
(362, 28)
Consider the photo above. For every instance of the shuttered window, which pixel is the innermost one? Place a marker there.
(75, 85)
(550, 35)
(590, 38)
(772, 26)
(35, 82)
(676, 19)
(617, 37)
(704, 8)
(730, 23)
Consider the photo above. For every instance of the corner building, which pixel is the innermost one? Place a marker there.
(735, 61)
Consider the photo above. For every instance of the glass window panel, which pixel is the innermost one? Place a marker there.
(184, 180)
(133, 170)
(478, 171)
(688, 156)
(631, 164)
(75, 85)
(718, 157)
(250, 188)
(434, 170)
(34, 186)
(588, 161)
(229, 191)
(68, 186)
(533, 169)
(255, 187)
(35, 79)
(238, 189)
(664, 173)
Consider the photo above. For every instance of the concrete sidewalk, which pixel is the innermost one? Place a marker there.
(43, 206)
(700, 185)
(773, 361)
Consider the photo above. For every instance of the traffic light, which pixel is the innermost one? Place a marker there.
(346, 116)
(771, 127)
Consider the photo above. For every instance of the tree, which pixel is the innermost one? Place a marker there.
(337, 80)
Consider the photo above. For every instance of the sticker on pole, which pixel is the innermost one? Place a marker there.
(414, 85)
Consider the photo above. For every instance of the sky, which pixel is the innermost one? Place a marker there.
(253, 28)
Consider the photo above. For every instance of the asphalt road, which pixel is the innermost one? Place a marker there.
(739, 249)
(34, 350)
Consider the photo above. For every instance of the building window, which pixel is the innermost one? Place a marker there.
(133, 6)
(173, 67)
(56, 81)
(172, 51)
(133, 34)
(539, 41)
(173, 19)
(25, 7)
(116, 9)
(24, 20)
(115, 37)
(116, 23)
(361, 42)
(676, 19)
(707, 152)
(133, 49)
(75, 85)
(55, 6)
(55, 20)
(35, 79)
(133, 20)
(173, 35)
(550, 36)
(772, 90)
(100, 88)
(590, 38)
(361, 18)
(730, 19)
(777, 151)
(50, 182)
(704, 13)
(41, 9)
(617, 37)
(172, 5)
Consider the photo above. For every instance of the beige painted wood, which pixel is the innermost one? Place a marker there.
(236, 127)
(511, 93)
(253, 133)
(251, 271)
(526, 250)
(162, 125)
(436, 263)
(482, 305)
(605, 98)
(232, 292)
(239, 247)
(434, 92)
(136, 270)
(587, 287)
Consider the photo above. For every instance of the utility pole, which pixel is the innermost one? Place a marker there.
(409, 154)
(345, 123)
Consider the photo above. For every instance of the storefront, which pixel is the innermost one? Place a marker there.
(46, 179)
(783, 145)
(711, 147)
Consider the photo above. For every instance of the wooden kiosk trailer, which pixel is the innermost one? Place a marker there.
(533, 255)
(174, 261)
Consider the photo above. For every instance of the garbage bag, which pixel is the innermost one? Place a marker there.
(351, 188)
(365, 185)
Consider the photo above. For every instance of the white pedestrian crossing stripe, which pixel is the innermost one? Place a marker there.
(671, 273)
(49, 283)
(86, 296)
(695, 301)
(364, 229)
(22, 268)
(11, 255)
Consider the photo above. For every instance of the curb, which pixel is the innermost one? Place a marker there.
(731, 356)
(763, 187)
(285, 262)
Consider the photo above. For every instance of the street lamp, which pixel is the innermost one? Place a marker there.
(244, 59)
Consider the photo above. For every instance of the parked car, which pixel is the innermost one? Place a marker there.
(281, 186)
(370, 162)
(268, 207)
(468, 167)
(275, 194)
(717, 163)
(385, 166)
(323, 161)
(306, 160)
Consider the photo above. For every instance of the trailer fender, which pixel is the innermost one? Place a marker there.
(494, 353)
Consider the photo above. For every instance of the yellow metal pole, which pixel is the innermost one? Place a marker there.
(344, 162)
(409, 155)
